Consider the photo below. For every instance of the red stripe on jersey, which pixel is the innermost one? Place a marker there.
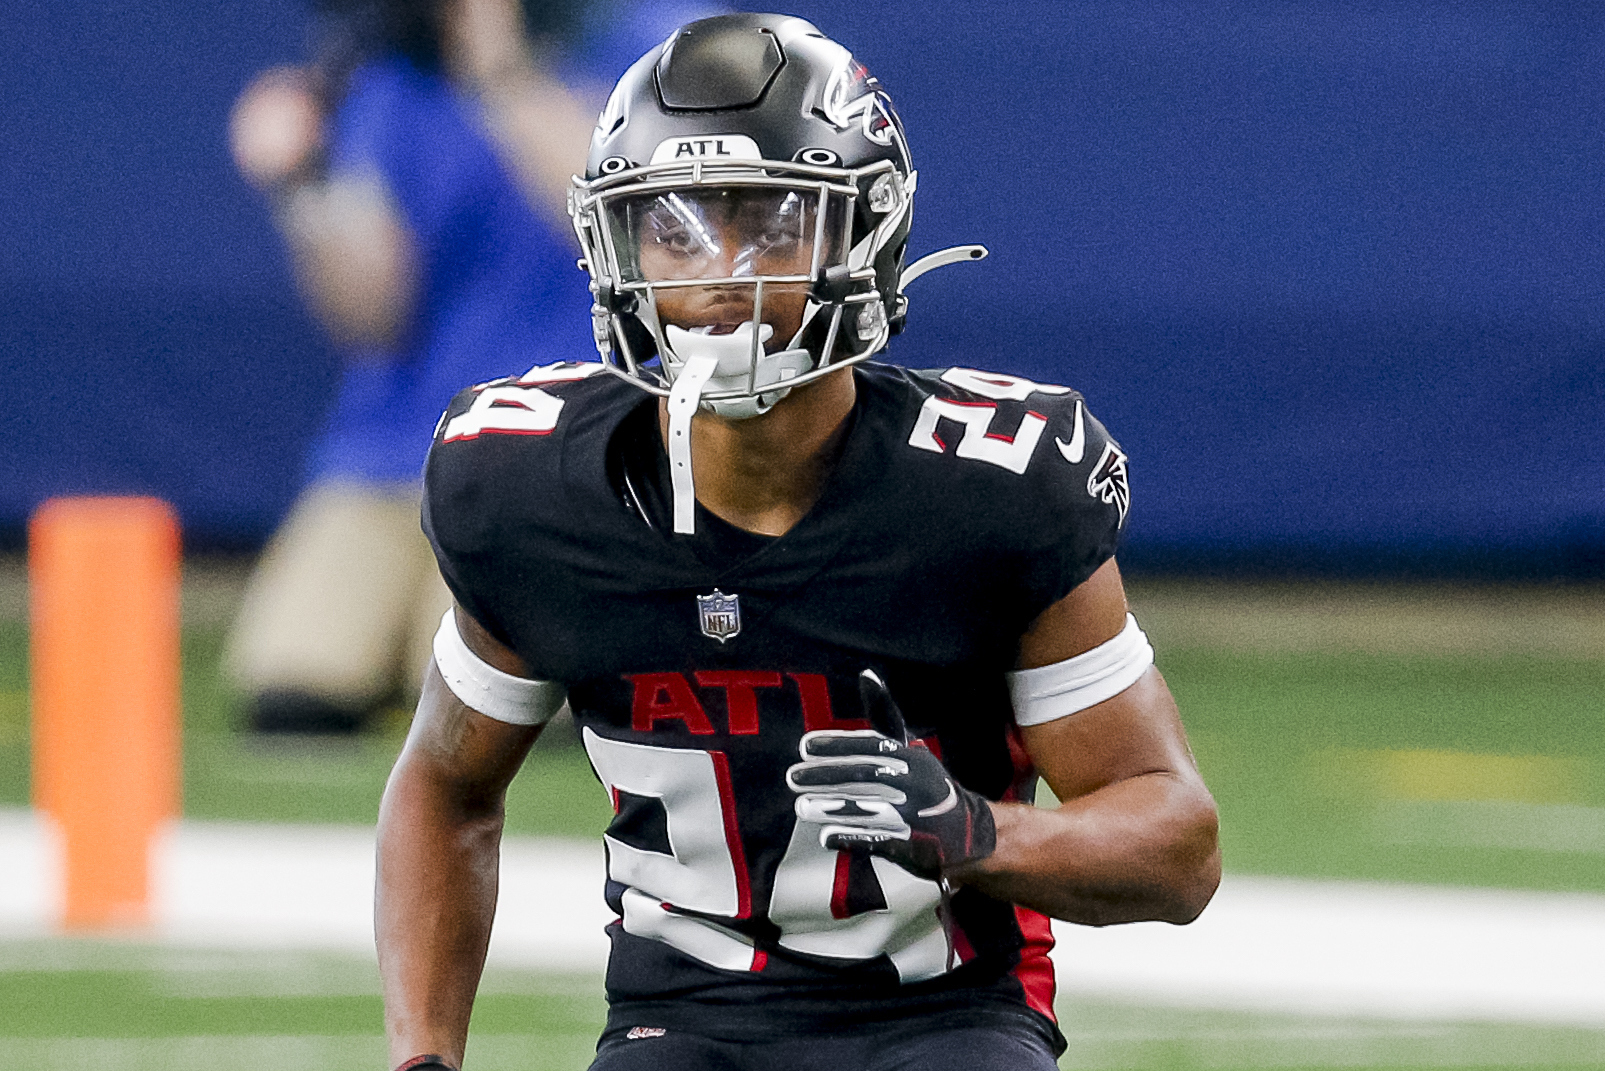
(1034, 972)
(732, 833)
(838, 889)
(531, 379)
(1024, 771)
(760, 960)
(496, 431)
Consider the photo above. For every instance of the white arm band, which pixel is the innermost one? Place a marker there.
(1057, 691)
(483, 687)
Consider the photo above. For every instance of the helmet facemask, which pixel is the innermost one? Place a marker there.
(751, 266)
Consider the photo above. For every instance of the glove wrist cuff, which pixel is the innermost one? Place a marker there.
(983, 833)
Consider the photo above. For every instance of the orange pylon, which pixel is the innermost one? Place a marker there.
(103, 577)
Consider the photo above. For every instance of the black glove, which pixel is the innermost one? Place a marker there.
(871, 789)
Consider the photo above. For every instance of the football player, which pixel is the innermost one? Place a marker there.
(822, 621)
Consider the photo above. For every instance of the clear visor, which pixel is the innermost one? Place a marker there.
(704, 234)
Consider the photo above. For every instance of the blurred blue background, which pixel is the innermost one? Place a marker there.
(1332, 272)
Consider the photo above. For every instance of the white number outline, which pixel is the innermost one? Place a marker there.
(1012, 452)
(713, 879)
(502, 408)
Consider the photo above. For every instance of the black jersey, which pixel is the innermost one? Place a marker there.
(962, 504)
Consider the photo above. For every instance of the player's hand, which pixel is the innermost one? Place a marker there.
(870, 789)
(276, 127)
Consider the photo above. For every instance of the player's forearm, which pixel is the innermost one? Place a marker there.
(435, 900)
(1141, 849)
(353, 258)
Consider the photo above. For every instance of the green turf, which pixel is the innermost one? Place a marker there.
(1271, 733)
(1106, 1035)
(13, 712)
(126, 1004)
(1283, 740)
(233, 775)
(71, 1004)
(86, 1004)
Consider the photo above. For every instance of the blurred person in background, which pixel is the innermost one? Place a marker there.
(418, 171)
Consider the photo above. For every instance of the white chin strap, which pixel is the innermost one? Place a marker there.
(701, 361)
(683, 397)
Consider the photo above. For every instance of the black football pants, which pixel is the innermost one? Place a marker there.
(922, 1044)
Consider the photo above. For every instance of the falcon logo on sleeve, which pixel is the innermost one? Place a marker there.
(1108, 481)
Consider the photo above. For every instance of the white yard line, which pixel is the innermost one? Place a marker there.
(1265, 944)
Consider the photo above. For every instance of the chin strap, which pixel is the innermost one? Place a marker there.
(683, 399)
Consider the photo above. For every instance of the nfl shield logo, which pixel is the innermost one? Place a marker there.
(721, 615)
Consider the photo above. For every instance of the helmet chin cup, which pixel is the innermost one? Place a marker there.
(732, 353)
(734, 368)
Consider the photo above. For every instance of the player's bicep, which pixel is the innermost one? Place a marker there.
(452, 743)
(484, 645)
(1093, 613)
(480, 711)
(1131, 734)
(1092, 708)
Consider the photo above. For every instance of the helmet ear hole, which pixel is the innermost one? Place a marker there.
(613, 165)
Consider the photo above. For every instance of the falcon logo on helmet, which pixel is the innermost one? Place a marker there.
(743, 216)
(853, 96)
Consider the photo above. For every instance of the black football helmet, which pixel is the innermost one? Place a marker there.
(744, 214)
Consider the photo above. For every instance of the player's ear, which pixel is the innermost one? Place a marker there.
(879, 707)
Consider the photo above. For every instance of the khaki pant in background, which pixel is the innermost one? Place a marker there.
(344, 602)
